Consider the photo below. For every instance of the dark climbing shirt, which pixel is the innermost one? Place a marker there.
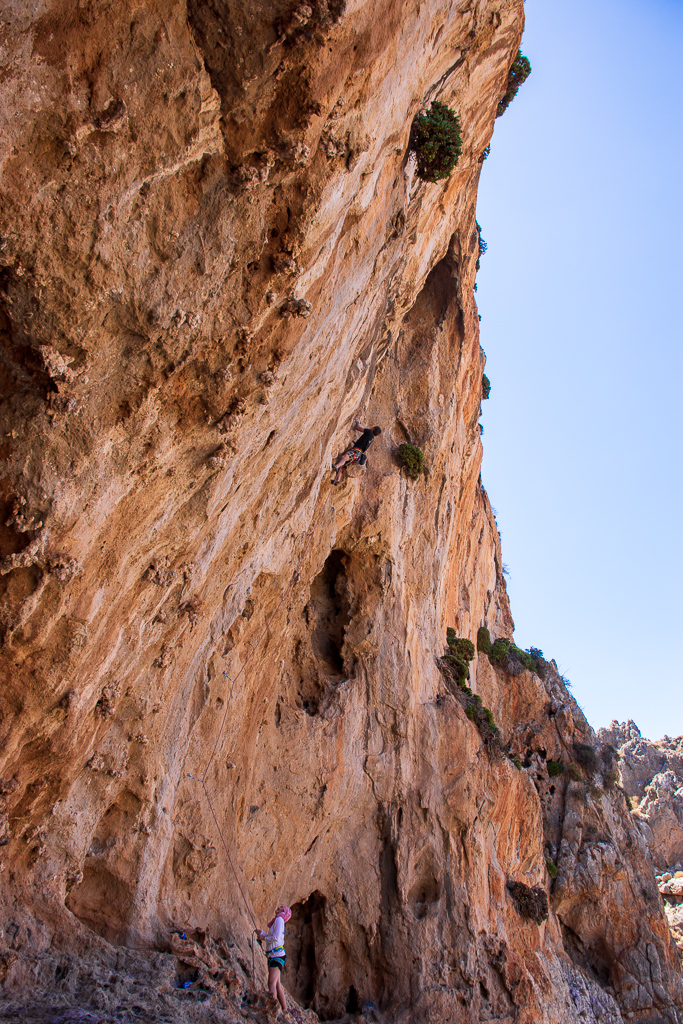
(365, 440)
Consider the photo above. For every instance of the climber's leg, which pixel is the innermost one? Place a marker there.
(339, 465)
(274, 987)
(348, 457)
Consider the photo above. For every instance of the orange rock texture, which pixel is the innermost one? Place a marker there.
(215, 252)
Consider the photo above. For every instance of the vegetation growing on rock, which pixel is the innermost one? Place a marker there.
(483, 640)
(460, 645)
(509, 656)
(459, 653)
(499, 650)
(437, 141)
(412, 459)
(482, 245)
(529, 902)
(456, 671)
(518, 74)
(586, 757)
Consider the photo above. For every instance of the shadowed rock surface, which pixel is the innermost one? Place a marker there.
(214, 253)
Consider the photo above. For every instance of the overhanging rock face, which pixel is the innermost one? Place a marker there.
(215, 252)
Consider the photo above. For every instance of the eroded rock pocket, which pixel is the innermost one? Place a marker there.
(327, 615)
(104, 898)
(305, 941)
(330, 606)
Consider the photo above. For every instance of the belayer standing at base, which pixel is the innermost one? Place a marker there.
(356, 453)
(274, 939)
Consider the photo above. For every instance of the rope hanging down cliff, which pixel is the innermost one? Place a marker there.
(202, 781)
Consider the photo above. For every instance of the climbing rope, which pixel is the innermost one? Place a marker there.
(225, 846)
(295, 578)
(202, 781)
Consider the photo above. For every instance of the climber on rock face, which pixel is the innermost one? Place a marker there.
(274, 939)
(356, 453)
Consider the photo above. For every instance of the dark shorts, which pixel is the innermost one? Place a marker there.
(277, 961)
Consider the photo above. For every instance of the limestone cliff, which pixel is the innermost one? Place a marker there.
(651, 775)
(215, 252)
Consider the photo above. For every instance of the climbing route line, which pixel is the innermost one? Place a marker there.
(295, 578)
(202, 781)
(225, 847)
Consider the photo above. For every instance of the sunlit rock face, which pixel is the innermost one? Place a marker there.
(652, 777)
(215, 253)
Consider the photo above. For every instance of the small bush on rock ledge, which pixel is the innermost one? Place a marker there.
(518, 74)
(413, 460)
(483, 640)
(459, 652)
(509, 656)
(530, 903)
(455, 669)
(586, 757)
(499, 650)
(460, 645)
(436, 139)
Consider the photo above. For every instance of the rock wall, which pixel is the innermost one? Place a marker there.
(215, 253)
(651, 775)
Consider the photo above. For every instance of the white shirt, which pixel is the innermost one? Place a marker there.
(275, 939)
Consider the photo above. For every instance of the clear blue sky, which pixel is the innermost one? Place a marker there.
(580, 296)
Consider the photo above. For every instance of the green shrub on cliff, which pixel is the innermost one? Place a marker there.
(525, 658)
(485, 387)
(490, 721)
(482, 245)
(460, 645)
(459, 652)
(483, 640)
(482, 718)
(413, 459)
(460, 669)
(554, 768)
(455, 669)
(511, 657)
(499, 650)
(437, 141)
(552, 868)
(519, 72)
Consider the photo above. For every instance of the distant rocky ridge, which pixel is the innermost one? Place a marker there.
(652, 778)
